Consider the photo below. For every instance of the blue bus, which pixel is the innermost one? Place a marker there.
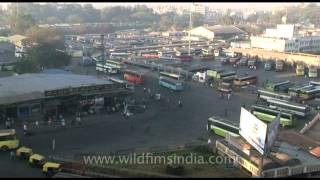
(170, 83)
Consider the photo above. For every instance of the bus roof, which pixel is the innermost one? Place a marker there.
(299, 87)
(260, 107)
(113, 62)
(311, 90)
(227, 73)
(7, 132)
(273, 93)
(170, 74)
(169, 80)
(132, 71)
(223, 121)
(281, 83)
(245, 77)
(314, 83)
(286, 103)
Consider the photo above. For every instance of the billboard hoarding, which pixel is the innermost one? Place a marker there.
(273, 128)
(253, 130)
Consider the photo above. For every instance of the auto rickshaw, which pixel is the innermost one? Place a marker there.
(51, 168)
(24, 153)
(37, 160)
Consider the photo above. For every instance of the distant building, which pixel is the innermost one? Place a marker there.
(217, 31)
(287, 38)
(199, 8)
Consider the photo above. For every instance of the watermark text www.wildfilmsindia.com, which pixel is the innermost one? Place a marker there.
(151, 159)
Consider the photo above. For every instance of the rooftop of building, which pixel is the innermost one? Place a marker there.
(228, 29)
(32, 86)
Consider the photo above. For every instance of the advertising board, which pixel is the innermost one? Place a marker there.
(253, 130)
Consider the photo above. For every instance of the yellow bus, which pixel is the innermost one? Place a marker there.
(8, 139)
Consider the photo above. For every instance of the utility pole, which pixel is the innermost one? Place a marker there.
(103, 49)
(190, 26)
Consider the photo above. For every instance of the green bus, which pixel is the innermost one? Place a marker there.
(220, 127)
(225, 74)
(282, 86)
(213, 72)
(264, 113)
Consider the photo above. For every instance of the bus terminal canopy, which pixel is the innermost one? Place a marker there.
(26, 87)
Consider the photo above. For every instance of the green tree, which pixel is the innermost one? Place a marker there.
(53, 20)
(72, 19)
(26, 65)
(226, 20)
(46, 50)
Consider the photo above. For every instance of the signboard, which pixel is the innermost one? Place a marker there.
(253, 130)
(83, 89)
(273, 128)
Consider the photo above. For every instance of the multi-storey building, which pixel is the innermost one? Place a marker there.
(287, 38)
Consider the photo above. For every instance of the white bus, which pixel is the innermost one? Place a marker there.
(117, 55)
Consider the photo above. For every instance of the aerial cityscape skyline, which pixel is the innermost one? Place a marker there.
(218, 5)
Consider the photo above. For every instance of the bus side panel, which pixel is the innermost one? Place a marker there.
(269, 118)
(219, 132)
(133, 79)
(170, 86)
(11, 144)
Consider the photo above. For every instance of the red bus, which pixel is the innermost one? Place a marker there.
(133, 76)
(150, 55)
(185, 58)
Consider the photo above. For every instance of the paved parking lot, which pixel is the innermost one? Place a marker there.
(168, 123)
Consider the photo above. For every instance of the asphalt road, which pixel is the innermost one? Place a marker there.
(168, 124)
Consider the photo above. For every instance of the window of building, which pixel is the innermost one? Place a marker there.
(24, 111)
(35, 108)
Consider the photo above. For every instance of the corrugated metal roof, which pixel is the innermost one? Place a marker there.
(32, 86)
(219, 29)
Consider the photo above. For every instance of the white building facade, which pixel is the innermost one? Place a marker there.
(285, 39)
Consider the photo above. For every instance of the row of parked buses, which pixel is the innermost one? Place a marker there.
(226, 80)
(297, 92)
(289, 113)
(237, 59)
(272, 102)
(291, 101)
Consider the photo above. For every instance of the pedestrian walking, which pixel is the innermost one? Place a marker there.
(63, 122)
(37, 123)
(25, 129)
(12, 155)
(180, 103)
(78, 120)
(229, 95)
(144, 90)
(8, 123)
(49, 121)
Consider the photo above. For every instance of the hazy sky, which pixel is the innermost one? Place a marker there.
(257, 6)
